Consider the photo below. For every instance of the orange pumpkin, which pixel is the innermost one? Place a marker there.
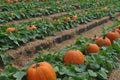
(74, 18)
(31, 27)
(73, 57)
(11, 29)
(103, 41)
(7, 1)
(41, 71)
(118, 30)
(67, 19)
(113, 35)
(92, 48)
(104, 8)
(15, 1)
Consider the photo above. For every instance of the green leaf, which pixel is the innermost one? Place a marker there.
(27, 65)
(11, 69)
(19, 75)
(56, 69)
(4, 58)
(92, 74)
(102, 74)
(4, 78)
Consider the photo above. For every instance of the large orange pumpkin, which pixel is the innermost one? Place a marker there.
(11, 29)
(41, 71)
(103, 41)
(113, 35)
(73, 57)
(92, 48)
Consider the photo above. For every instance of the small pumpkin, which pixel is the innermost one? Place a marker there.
(113, 35)
(41, 71)
(102, 41)
(58, 2)
(11, 29)
(74, 18)
(57, 20)
(104, 8)
(92, 48)
(15, 1)
(31, 27)
(7, 1)
(73, 57)
(62, 7)
(67, 19)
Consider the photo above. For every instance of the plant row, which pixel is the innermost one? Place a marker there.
(14, 35)
(30, 5)
(87, 59)
(35, 12)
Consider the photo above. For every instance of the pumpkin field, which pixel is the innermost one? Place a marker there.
(59, 39)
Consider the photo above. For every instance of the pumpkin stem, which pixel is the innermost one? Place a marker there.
(95, 36)
(104, 36)
(36, 65)
(30, 26)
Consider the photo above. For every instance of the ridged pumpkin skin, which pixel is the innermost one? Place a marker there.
(73, 57)
(113, 35)
(103, 41)
(92, 48)
(41, 71)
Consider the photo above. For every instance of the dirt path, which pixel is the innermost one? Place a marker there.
(97, 30)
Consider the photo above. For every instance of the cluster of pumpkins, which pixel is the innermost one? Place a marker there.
(37, 71)
(15, 1)
(13, 29)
